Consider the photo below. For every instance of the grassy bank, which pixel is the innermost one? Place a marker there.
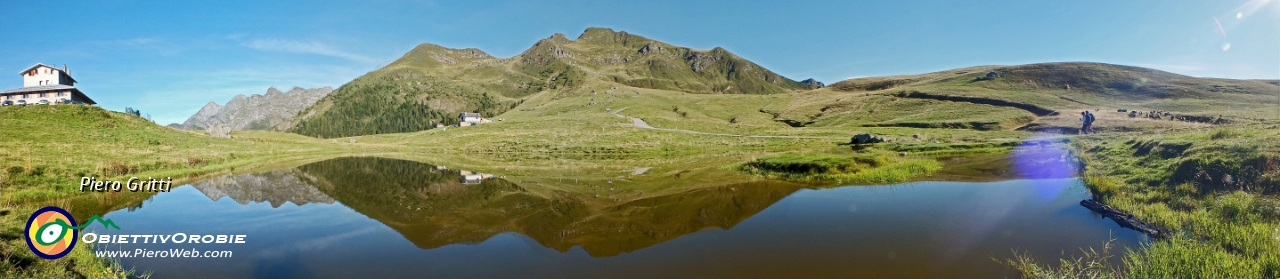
(49, 148)
(1215, 189)
(869, 168)
(61, 144)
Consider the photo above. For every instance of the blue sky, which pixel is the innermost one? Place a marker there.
(169, 58)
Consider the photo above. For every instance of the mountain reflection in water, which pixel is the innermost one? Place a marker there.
(433, 206)
(275, 187)
(374, 217)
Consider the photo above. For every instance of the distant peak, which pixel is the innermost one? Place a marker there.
(431, 54)
(428, 46)
(597, 32)
(608, 36)
(209, 109)
(273, 90)
(237, 98)
(814, 83)
(556, 38)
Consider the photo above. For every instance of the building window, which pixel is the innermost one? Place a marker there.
(41, 95)
(24, 96)
(60, 94)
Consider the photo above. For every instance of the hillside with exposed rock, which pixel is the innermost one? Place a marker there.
(431, 84)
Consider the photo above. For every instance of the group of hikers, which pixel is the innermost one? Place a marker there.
(1087, 118)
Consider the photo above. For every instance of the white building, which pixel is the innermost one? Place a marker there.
(469, 178)
(45, 85)
(469, 117)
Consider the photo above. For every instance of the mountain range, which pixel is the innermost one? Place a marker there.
(269, 111)
(432, 84)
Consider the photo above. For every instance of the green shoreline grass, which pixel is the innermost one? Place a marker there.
(1215, 189)
(61, 144)
(870, 168)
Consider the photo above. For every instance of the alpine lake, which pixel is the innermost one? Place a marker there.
(373, 217)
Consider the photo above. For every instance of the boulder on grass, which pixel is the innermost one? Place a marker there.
(865, 139)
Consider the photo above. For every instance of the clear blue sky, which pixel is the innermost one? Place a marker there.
(169, 58)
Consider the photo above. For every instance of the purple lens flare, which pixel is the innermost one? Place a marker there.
(1045, 157)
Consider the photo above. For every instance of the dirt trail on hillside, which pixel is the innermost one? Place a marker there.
(639, 123)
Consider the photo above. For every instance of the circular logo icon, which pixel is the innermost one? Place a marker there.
(50, 232)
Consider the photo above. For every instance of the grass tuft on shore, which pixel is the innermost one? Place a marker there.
(857, 169)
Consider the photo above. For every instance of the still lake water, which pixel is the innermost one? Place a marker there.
(371, 217)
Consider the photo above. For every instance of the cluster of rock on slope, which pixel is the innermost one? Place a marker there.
(269, 111)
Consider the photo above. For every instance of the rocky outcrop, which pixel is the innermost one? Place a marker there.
(219, 131)
(814, 83)
(650, 47)
(269, 111)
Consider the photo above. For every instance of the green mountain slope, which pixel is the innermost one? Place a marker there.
(432, 84)
(1049, 96)
(1080, 83)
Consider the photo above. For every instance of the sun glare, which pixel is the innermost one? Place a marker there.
(1251, 7)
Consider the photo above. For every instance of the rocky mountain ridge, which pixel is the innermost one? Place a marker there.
(269, 111)
(431, 84)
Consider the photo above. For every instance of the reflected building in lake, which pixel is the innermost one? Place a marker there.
(471, 178)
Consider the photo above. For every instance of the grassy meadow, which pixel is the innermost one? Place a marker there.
(1213, 184)
(51, 147)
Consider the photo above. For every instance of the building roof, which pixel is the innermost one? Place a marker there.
(470, 114)
(37, 65)
(39, 88)
(24, 72)
(54, 87)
